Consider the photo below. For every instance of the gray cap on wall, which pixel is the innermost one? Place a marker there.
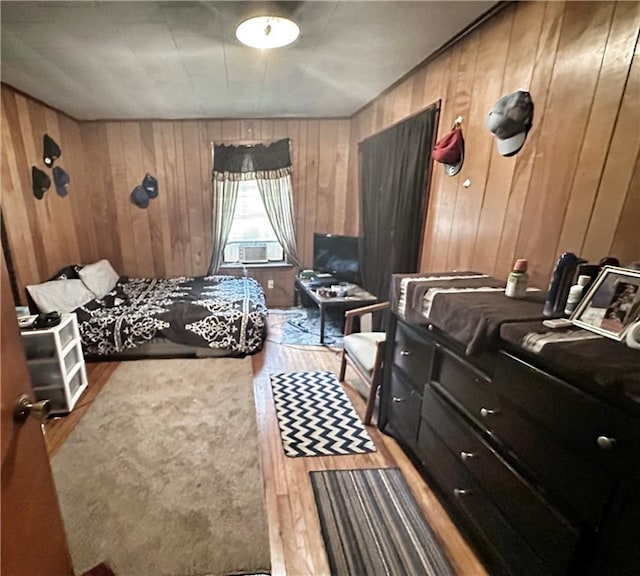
(510, 120)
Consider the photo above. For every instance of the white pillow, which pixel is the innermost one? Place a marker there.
(99, 277)
(61, 295)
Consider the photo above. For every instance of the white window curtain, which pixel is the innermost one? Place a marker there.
(225, 194)
(278, 201)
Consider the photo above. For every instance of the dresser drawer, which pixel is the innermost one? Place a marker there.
(599, 432)
(468, 387)
(582, 487)
(508, 552)
(403, 406)
(413, 354)
(547, 532)
(571, 480)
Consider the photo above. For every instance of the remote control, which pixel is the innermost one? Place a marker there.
(558, 323)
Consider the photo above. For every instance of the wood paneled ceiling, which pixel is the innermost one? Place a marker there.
(122, 60)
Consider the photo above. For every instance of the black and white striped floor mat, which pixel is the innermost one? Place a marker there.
(371, 524)
(315, 416)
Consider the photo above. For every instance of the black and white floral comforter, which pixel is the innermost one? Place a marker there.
(221, 312)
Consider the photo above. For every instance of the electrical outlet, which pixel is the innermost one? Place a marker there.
(269, 284)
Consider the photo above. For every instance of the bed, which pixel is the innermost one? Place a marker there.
(217, 315)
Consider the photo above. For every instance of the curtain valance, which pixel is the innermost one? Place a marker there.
(260, 160)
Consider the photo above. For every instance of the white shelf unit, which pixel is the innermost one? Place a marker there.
(56, 364)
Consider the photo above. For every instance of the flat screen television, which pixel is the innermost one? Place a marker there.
(337, 255)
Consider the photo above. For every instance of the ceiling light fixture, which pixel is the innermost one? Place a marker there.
(267, 32)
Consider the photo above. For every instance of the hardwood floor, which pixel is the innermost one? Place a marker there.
(57, 430)
(296, 542)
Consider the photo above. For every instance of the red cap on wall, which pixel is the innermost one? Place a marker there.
(449, 150)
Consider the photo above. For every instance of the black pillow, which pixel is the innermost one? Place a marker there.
(67, 273)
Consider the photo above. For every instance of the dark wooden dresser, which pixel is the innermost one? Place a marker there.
(538, 470)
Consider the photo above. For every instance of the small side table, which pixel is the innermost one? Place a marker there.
(357, 298)
(56, 364)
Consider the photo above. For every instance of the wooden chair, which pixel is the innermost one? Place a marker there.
(364, 351)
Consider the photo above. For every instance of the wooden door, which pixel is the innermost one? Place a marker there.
(33, 542)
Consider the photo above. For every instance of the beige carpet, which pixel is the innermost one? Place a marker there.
(162, 476)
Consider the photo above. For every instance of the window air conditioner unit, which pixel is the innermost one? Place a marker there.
(253, 253)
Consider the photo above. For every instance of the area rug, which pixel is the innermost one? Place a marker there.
(302, 328)
(371, 524)
(162, 478)
(315, 416)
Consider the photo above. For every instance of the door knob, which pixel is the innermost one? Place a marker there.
(606, 443)
(24, 408)
(467, 455)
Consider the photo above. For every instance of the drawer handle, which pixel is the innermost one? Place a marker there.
(606, 443)
(486, 412)
(396, 399)
(468, 455)
(405, 353)
(458, 492)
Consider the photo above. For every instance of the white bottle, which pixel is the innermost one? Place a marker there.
(517, 280)
(575, 294)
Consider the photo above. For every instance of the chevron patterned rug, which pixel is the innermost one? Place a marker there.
(315, 416)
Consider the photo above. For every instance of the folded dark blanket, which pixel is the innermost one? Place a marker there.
(474, 318)
(603, 366)
(468, 306)
(408, 290)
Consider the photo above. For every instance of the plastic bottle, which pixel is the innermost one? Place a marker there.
(561, 279)
(575, 294)
(518, 280)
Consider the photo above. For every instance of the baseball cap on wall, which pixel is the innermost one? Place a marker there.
(150, 184)
(510, 120)
(449, 150)
(51, 150)
(61, 179)
(140, 197)
(40, 182)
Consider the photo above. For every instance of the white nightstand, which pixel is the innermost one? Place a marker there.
(56, 363)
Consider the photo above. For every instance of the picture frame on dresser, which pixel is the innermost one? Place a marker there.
(612, 303)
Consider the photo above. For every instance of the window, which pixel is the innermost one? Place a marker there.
(251, 239)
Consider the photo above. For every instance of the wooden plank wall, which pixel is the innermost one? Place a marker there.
(44, 235)
(575, 185)
(106, 160)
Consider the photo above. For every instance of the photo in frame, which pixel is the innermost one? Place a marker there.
(612, 303)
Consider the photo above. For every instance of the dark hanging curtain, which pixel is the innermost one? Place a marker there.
(9, 261)
(395, 167)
